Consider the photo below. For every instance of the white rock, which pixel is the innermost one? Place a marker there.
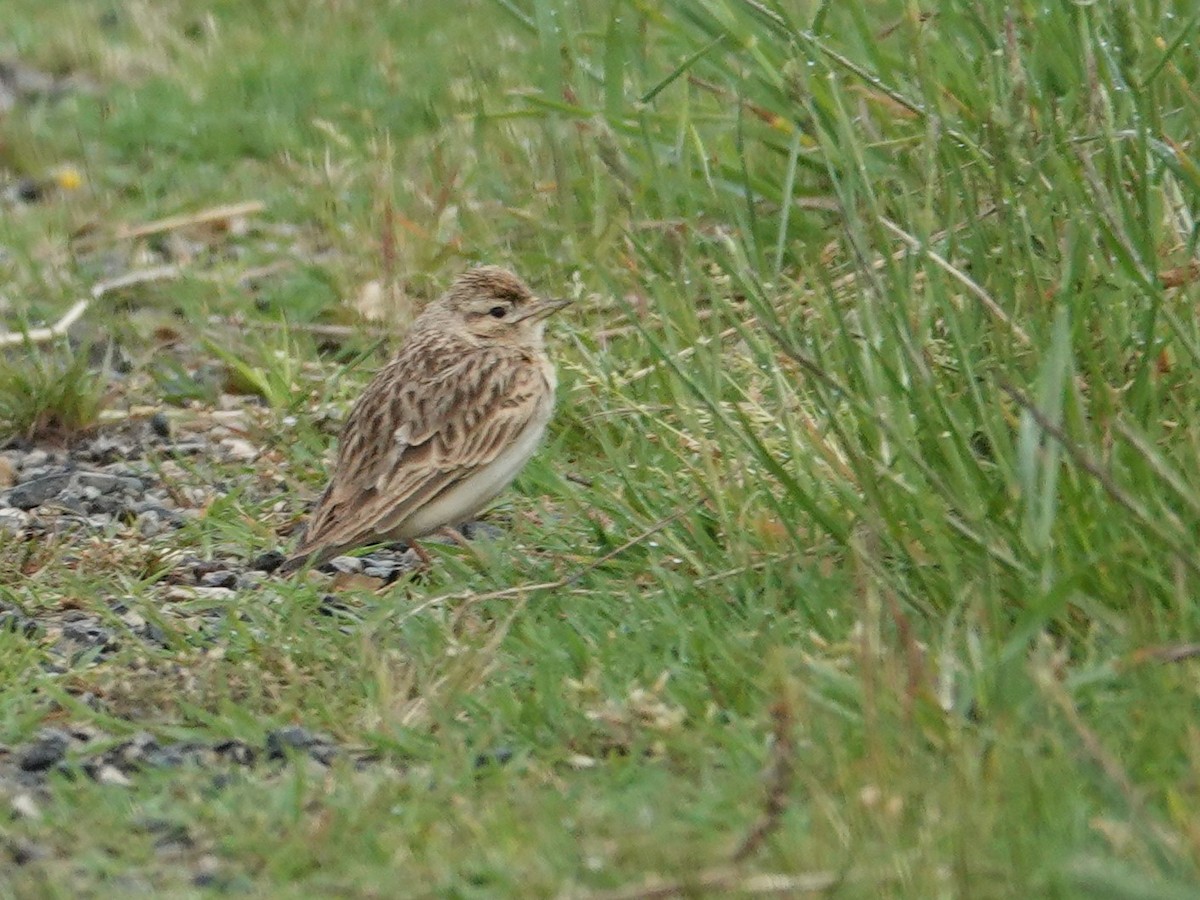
(112, 775)
(12, 519)
(348, 564)
(24, 807)
(237, 450)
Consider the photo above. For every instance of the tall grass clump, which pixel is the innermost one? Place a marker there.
(49, 394)
(927, 283)
(909, 295)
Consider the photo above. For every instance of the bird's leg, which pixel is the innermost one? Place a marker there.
(456, 537)
(422, 553)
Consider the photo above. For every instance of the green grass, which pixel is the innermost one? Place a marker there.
(49, 393)
(882, 386)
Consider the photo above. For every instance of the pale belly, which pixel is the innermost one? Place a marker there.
(468, 497)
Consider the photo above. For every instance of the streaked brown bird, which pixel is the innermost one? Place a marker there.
(444, 427)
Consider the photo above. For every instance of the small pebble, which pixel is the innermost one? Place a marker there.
(23, 852)
(89, 634)
(387, 573)
(36, 492)
(208, 873)
(35, 458)
(108, 506)
(112, 775)
(99, 482)
(188, 448)
(12, 519)
(160, 426)
(16, 622)
(222, 578)
(72, 502)
(150, 523)
(347, 564)
(267, 562)
(481, 531)
(293, 738)
(153, 634)
(49, 748)
(238, 752)
(24, 807)
(30, 190)
(496, 757)
(237, 450)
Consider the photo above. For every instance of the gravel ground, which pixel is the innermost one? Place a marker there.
(81, 751)
(135, 483)
(124, 484)
(127, 482)
(124, 479)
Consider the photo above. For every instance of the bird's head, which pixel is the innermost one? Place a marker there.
(494, 306)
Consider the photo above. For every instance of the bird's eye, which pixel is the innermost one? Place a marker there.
(498, 312)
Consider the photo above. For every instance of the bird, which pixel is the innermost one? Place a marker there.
(444, 427)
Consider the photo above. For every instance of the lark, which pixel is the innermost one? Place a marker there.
(446, 426)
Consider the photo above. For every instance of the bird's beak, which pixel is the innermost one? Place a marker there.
(545, 307)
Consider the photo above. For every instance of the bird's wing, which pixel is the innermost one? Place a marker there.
(416, 433)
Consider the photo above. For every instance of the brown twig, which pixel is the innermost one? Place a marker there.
(913, 654)
(73, 315)
(203, 217)
(1180, 276)
(780, 776)
(265, 271)
(758, 110)
(1168, 653)
(41, 335)
(725, 881)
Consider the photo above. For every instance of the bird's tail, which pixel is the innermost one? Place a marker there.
(317, 556)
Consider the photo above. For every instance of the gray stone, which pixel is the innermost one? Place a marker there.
(12, 519)
(160, 426)
(34, 474)
(237, 450)
(108, 505)
(131, 485)
(89, 634)
(267, 562)
(384, 572)
(71, 501)
(34, 459)
(293, 739)
(480, 531)
(36, 492)
(150, 523)
(350, 565)
(15, 621)
(222, 578)
(48, 749)
(101, 482)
